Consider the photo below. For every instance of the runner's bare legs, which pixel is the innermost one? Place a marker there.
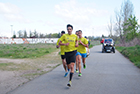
(84, 61)
(64, 64)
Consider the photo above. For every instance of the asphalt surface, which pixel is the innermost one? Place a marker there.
(106, 73)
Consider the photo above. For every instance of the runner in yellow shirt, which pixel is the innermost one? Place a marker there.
(87, 49)
(77, 56)
(70, 42)
(62, 54)
(81, 51)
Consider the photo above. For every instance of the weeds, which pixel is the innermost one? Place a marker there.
(133, 53)
(25, 50)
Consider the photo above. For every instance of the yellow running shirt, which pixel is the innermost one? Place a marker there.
(81, 48)
(71, 39)
(61, 47)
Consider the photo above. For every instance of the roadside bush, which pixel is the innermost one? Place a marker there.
(135, 41)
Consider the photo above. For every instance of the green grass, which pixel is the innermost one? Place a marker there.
(25, 50)
(133, 53)
(93, 43)
(120, 48)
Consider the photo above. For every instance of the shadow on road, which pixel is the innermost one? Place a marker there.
(67, 88)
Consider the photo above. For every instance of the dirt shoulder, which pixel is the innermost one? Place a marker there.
(16, 72)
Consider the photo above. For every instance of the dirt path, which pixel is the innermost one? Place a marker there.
(15, 72)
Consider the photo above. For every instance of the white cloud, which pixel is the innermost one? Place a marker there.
(8, 8)
(73, 12)
(81, 16)
(11, 12)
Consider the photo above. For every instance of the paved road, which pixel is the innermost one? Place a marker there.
(106, 73)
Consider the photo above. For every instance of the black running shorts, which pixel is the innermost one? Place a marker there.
(63, 57)
(70, 56)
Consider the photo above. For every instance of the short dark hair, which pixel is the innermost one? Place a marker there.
(69, 26)
(80, 31)
(86, 37)
(76, 31)
(62, 32)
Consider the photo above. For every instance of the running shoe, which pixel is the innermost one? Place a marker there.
(69, 84)
(66, 74)
(80, 74)
(84, 66)
(77, 71)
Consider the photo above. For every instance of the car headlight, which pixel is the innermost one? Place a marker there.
(104, 44)
(111, 44)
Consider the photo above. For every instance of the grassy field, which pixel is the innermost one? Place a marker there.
(30, 68)
(15, 51)
(93, 43)
(25, 50)
(29, 59)
(133, 53)
(32, 59)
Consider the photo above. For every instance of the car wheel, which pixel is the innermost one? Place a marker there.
(103, 51)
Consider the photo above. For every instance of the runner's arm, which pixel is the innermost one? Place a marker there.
(76, 45)
(57, 44)
(86, 45)
(66, 44)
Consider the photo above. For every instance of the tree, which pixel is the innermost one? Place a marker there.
(14, 36)
(35, 34)
(91, 37)
(30, 34)
(126, 11)
(41, 35)
(110, 27)
(132, 28)
(118, 25)
(50, 35)
(121, 18)
(97, 38)
(54, 35)
(25, 34)
(59, 35)
(20, 34)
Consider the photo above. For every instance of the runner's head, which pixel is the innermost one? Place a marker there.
(76, 33)
(69, 29)
(80, 33)
(62, 32)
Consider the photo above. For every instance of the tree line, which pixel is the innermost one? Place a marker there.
(35, 34)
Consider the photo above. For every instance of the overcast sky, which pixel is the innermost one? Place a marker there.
(52, 16)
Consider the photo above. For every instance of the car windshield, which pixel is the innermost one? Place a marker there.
(108, 40)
